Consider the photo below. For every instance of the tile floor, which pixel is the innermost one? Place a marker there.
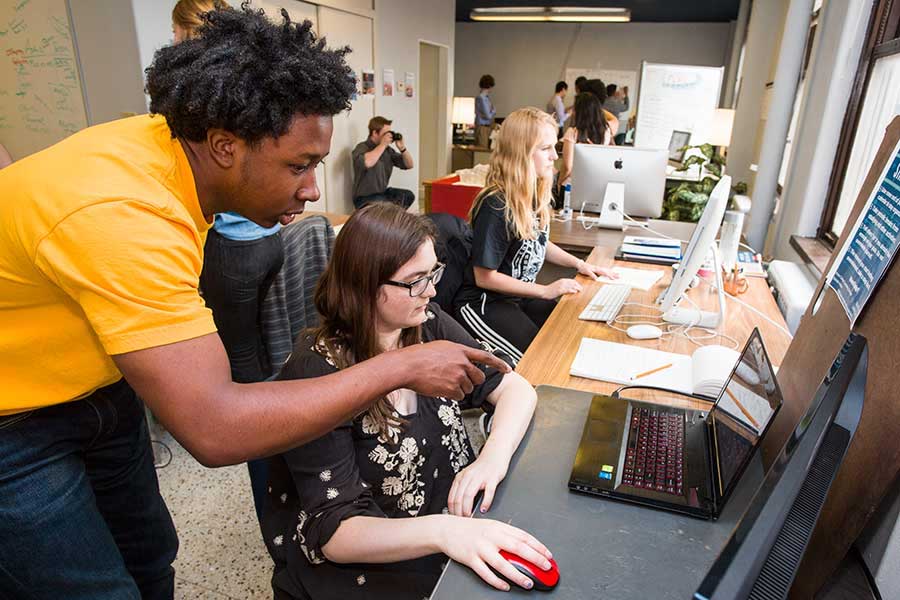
(222, 555)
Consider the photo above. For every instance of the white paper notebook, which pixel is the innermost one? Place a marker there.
(704, 372)
(639, 279)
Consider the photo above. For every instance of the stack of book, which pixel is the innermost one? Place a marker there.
(659, 251)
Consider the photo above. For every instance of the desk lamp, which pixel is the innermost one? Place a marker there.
(720, 128)
(463, 115)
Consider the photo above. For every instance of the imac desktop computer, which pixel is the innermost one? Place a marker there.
(701, 245)
(615, 181)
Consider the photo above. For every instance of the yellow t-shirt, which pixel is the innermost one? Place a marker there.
(101, 247)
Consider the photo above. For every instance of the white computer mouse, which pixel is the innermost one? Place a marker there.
(643, 332)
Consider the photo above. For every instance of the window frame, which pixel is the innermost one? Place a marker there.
(882, 39)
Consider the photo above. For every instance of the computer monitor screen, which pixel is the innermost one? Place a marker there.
(700, 244)
(742, 413)
(642, 171)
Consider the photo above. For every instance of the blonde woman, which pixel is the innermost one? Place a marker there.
(500, 303)
(186, 17)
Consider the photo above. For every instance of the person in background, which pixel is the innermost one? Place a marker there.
(556, 106)
(99, 276)
(374, 161)
(598, 88)
(499, 301)
(373, 508)
(5, 158)
(618, 103)
(484, 111)
(579, 84)
(240, 262)
(589, 128)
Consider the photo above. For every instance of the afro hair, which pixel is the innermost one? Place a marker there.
(247, 75)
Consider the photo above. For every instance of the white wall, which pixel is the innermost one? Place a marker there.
(527, 59)
(153, 21)
(399, 25)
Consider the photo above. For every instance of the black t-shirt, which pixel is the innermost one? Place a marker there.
(496, 246)
(354, 471)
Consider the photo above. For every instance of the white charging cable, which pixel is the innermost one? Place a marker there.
(784, 329)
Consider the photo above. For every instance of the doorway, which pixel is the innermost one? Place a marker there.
(433, 118)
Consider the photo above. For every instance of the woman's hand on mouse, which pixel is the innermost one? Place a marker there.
(561, 287)
(476, 543)
(485, 473)
(594, 272)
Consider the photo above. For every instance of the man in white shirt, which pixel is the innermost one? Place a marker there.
(557, 108)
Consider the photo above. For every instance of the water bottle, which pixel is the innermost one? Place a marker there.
(566, 212)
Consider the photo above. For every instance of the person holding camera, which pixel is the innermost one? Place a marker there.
(374, 161)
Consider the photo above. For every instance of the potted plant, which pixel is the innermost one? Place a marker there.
(686, 200)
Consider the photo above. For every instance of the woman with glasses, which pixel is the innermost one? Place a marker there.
(374, 508)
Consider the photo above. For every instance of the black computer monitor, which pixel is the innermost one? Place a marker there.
(761, 558)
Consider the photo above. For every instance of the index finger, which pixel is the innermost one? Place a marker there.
(486, 358)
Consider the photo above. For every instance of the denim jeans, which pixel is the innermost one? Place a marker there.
(236, 276)
(81, 516)
(404, 198)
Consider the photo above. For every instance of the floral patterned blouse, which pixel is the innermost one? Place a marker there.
(354, 471)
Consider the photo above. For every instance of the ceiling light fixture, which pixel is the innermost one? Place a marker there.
(557, 14)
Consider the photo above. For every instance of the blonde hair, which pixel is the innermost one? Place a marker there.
(512, 174)
(187, 13)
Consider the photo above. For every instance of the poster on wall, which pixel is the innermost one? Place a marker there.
(388, 83)
(872, 244)
(368, 82)
(410, 84)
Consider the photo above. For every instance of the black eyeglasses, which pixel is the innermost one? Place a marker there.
(418, 287)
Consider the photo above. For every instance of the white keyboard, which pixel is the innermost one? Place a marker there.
(606, 303)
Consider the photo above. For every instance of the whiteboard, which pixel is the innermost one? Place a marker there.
(41, 98)
(676, 97)
(621, 78)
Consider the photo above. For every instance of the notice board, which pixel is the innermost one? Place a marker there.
(676, 97)
(41, 97)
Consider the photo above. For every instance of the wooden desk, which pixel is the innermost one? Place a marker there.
(550, 355)
(573, 237)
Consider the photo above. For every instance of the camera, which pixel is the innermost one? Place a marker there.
(397, 136)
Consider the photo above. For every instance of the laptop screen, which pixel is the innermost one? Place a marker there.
(743, 413)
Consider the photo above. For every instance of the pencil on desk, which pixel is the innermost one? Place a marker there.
(651, 371)
(743, 410)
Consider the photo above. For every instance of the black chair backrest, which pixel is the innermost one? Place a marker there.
(453, 248)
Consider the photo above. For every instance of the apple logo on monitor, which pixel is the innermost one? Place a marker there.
(618, 163)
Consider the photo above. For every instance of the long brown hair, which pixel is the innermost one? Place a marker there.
(372, 245)
(512, 173)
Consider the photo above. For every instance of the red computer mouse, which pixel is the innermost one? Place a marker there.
(543, 580)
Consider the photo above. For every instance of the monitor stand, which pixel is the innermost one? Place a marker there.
(701, 318)
(612, 211)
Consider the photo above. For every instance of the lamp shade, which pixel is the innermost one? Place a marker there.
(463, 110)
(720, 128)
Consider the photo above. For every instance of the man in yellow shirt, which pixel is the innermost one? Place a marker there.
(101, 240)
